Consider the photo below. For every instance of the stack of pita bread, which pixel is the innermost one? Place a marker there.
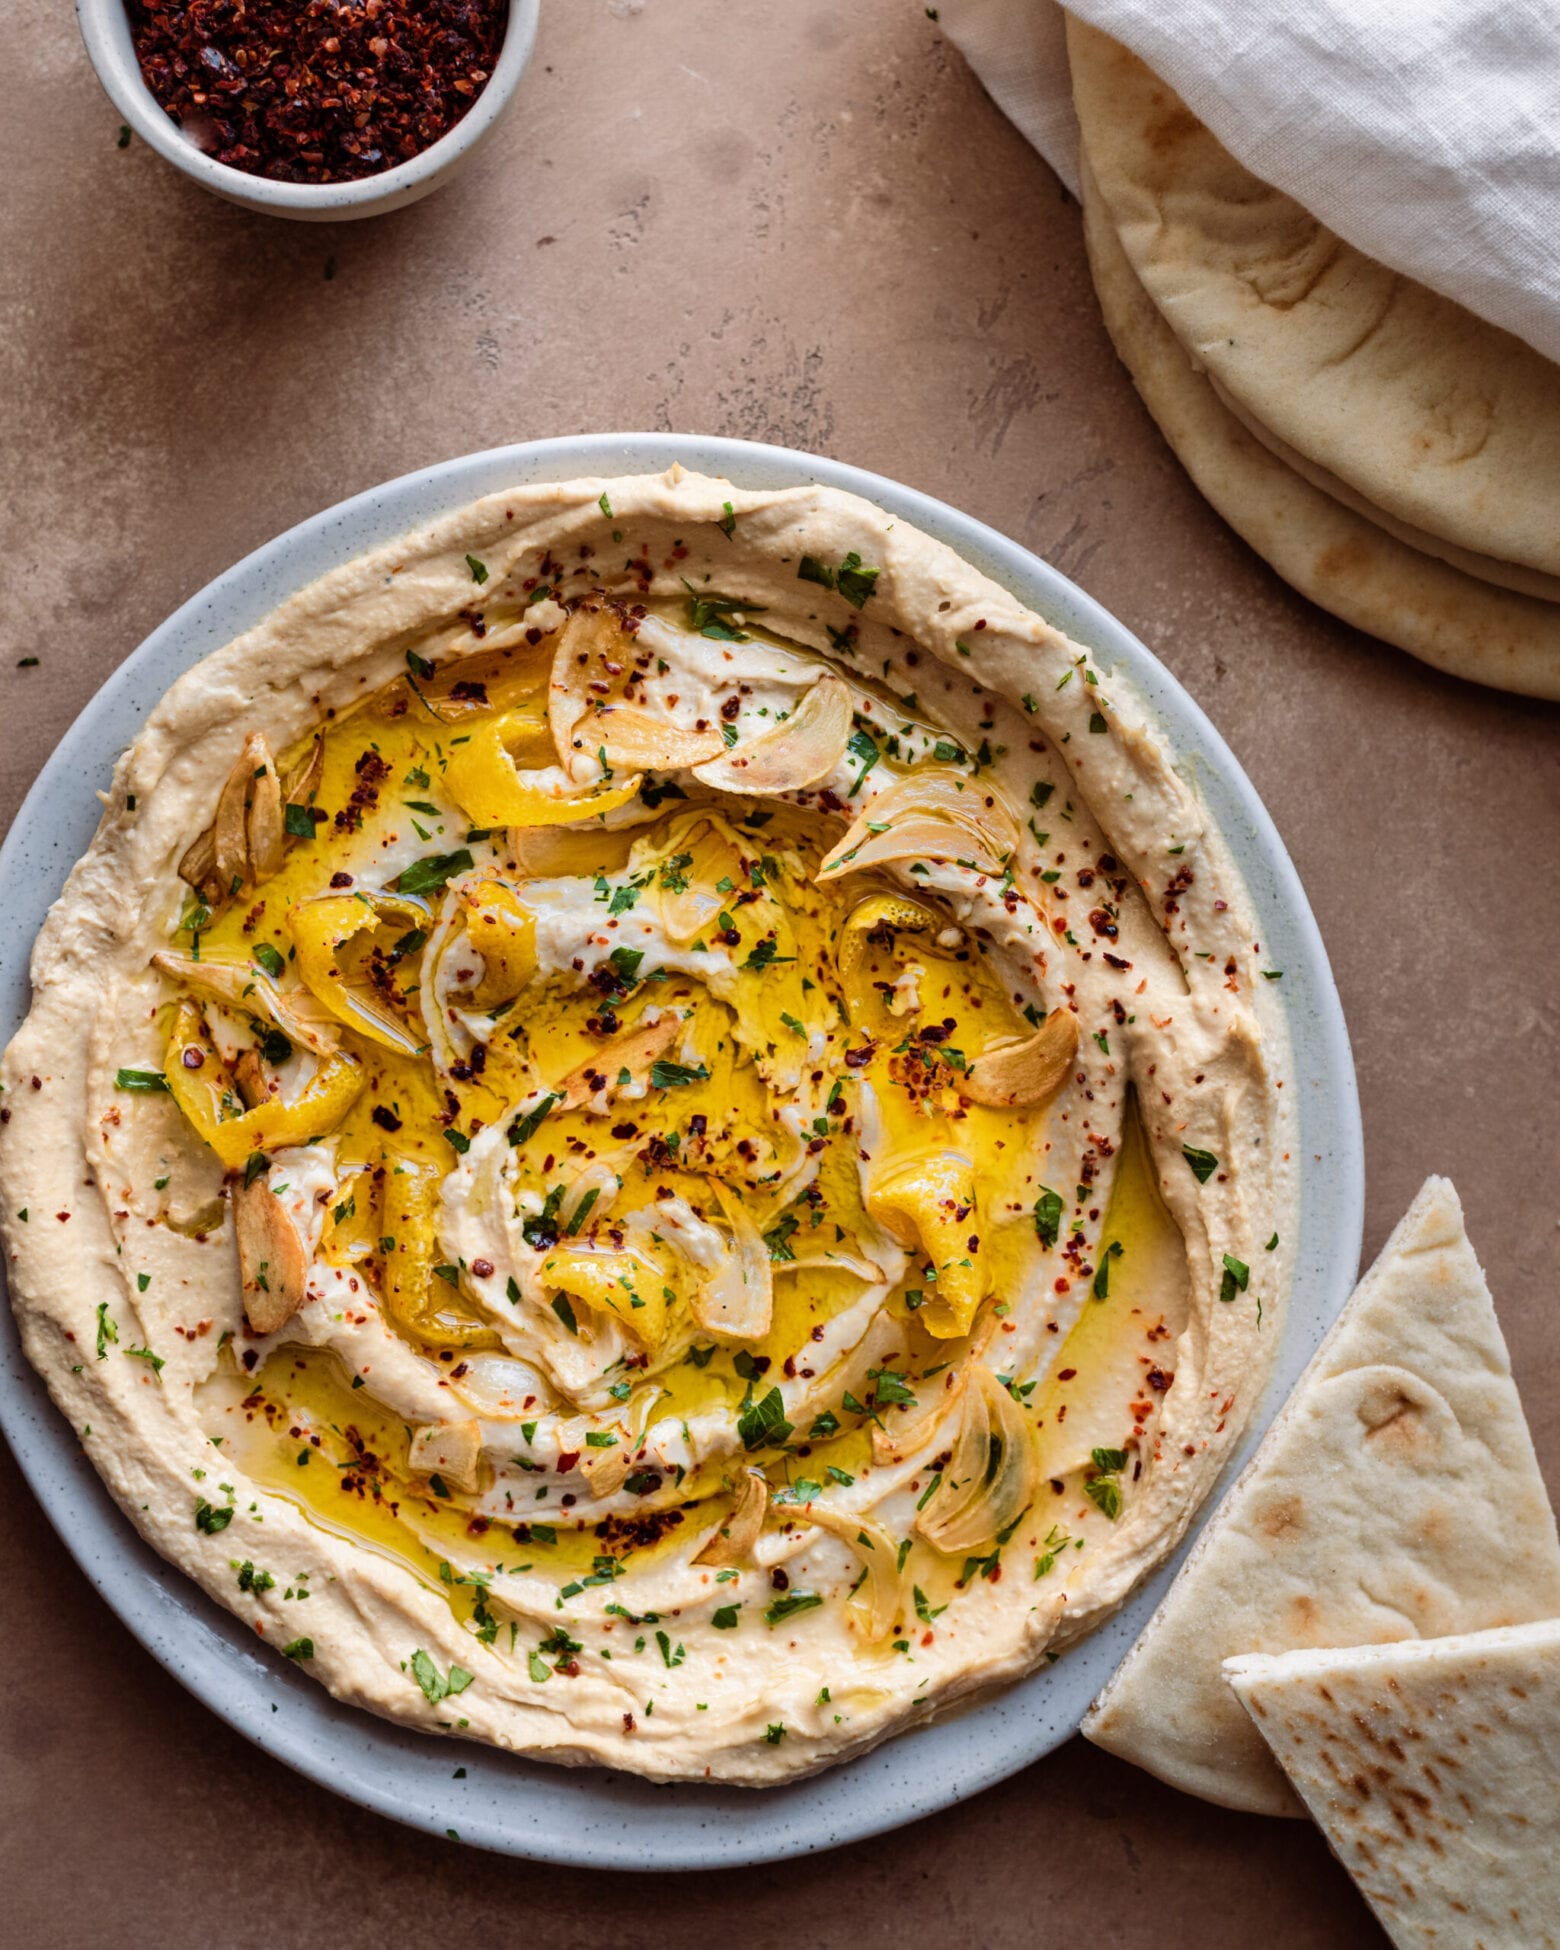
(1393, 456)
(1369, 1626)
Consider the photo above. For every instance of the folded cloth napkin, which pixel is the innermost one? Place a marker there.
(1424, 132)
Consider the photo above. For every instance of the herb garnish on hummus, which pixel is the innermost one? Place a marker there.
(662, 1152)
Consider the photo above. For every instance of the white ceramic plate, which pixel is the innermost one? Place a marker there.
(591, 1817)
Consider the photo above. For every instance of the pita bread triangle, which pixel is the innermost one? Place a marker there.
(1396, 1496)
(1430, 1768)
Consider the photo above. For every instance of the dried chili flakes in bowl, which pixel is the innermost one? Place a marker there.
(312, 91)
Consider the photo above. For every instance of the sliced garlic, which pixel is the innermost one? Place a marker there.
(273, 1266)
(448, 1449)
(732, 1541)
(1023, 1076)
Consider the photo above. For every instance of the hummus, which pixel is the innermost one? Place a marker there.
(654, 1132)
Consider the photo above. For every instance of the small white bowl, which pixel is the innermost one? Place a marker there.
(105, 27)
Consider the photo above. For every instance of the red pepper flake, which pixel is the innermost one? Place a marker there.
(325, 91)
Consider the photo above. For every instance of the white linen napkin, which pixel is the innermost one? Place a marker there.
(1424, 132)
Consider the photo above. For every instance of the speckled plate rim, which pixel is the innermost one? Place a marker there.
(591, 1817)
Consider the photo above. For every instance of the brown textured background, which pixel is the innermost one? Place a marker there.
(801, 223)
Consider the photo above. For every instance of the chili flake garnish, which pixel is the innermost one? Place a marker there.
(319, 92)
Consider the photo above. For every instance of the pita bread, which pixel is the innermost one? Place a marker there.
(1347, 564)
(1396, 1496)
(1429, 413)
(1430, 1768)
(1505, 575)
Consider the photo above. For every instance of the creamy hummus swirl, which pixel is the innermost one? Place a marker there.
(654, 1131)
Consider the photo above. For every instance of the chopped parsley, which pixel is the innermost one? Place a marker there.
(435, 1686)
(1237, 1277)
(1048, 1216)
(789, 1604)
(666, 1075)
(427, 876)
(147, 1080)
(1203, 1163)
(762, 1424)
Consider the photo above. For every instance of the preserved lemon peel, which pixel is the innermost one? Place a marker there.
(629, 1287)
(894, 911)
(798, 752)
(324, 924)
(930, 1202)
(408, 1203)
(482, 777)
(502, 930)
(206, 1093)
(733, 1539)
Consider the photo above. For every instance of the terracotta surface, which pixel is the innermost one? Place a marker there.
(803, 223)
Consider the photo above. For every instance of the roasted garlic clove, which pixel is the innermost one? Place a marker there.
(1023, 1076)
(449, 1450)
(732, 1542)
(273, 1265)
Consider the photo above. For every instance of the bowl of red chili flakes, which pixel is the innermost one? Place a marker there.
(320, 110)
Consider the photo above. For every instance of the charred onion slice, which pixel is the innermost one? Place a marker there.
(737, 1302)
(936, 1398)
(989, 1480)
(916, 837)
(249, 991)
(878, 1598)
(588, 708)
(565, 852)
(803, 749)
(933, 813)
(946, 793)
